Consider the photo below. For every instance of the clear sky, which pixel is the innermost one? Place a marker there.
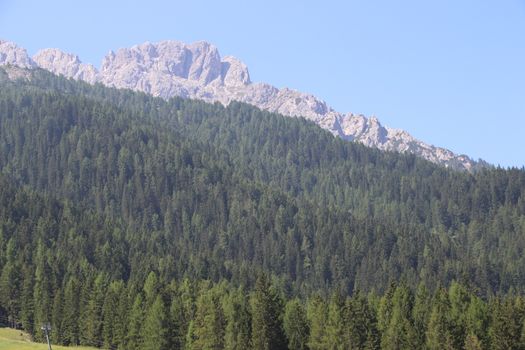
(450, 72)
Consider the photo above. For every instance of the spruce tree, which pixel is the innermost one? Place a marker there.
(316, 313)
(93, 315)
(477, 319)
(178, 323)
(110, 315)
(136, 322)
(296, 325)
(439, 334)
(421, 313)
(505, 328)
(70, 319)
(472, 342)
(209, 324)
(361, 330)
(155, 332)
(400, 333)
(267, 331)
(334, 336)
(238, 321)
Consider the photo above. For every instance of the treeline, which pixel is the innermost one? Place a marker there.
(204, 191)
(96, 311)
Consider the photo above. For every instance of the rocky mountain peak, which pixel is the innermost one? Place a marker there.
(234, 72)
(173, 68)
(12, 54)
(65, 64)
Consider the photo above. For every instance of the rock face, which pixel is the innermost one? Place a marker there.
(65, 64)
(11, 54)
(173, 68)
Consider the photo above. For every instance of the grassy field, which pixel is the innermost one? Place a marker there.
(12, 339)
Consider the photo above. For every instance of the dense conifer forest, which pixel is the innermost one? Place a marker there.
(132, 222)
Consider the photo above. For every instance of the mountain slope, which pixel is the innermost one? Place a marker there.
(221, 192)
(172, 68)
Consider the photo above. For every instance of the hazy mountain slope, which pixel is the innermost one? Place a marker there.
(172, 68)
(209, 191)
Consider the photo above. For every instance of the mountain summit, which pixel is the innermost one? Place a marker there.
(173, 68)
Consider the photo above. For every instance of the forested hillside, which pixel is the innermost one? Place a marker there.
(163, 214)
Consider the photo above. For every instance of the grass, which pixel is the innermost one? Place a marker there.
(12, 339)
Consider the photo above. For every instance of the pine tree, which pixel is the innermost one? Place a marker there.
(384, 312)
(296, 325)
(316, 313)
(155, 329)
(477, 319)
(70, 319)
(27, 308)
(93, 316)
(10, 283)
(56, 318)
(136, 322)
(209, 324)
(334, 336)
(505, 328)
(267, 332)
(400, 333)
(178, 323)
(361, 330)
(42, 291)
(459, 299)
(110, 315)
(238, 321)
(439, 326)
(522, 337)
(10, 291)
(120, 327)
(151, 288)
(421, 313)
(472, 343)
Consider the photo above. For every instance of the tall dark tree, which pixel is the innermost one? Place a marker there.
(155, 328)
(296, 325)
(267, 328)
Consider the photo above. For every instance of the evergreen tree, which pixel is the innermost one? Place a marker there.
(472, 343)
(477, 319)
(439, 334)
(400, 333)
(505, 328)
(362, 332)
(334, 335)
(93, 315)
(27, 302)
(56, 317)
(42, 292)
(178, 323)
(111, 316)
(70, 320)
(155, 329)
(267, 331)
(10, 284)
(421, 313)
(316, 313)
(459, 303)
(209, 324)
(296, 325)
(136, 322)
(238, 321)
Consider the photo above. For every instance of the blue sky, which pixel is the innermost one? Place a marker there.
(450, 72)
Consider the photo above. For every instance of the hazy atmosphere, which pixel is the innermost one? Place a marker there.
(450, 73)
(165, 194)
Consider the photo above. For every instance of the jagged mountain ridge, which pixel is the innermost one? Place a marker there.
(173, 68)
